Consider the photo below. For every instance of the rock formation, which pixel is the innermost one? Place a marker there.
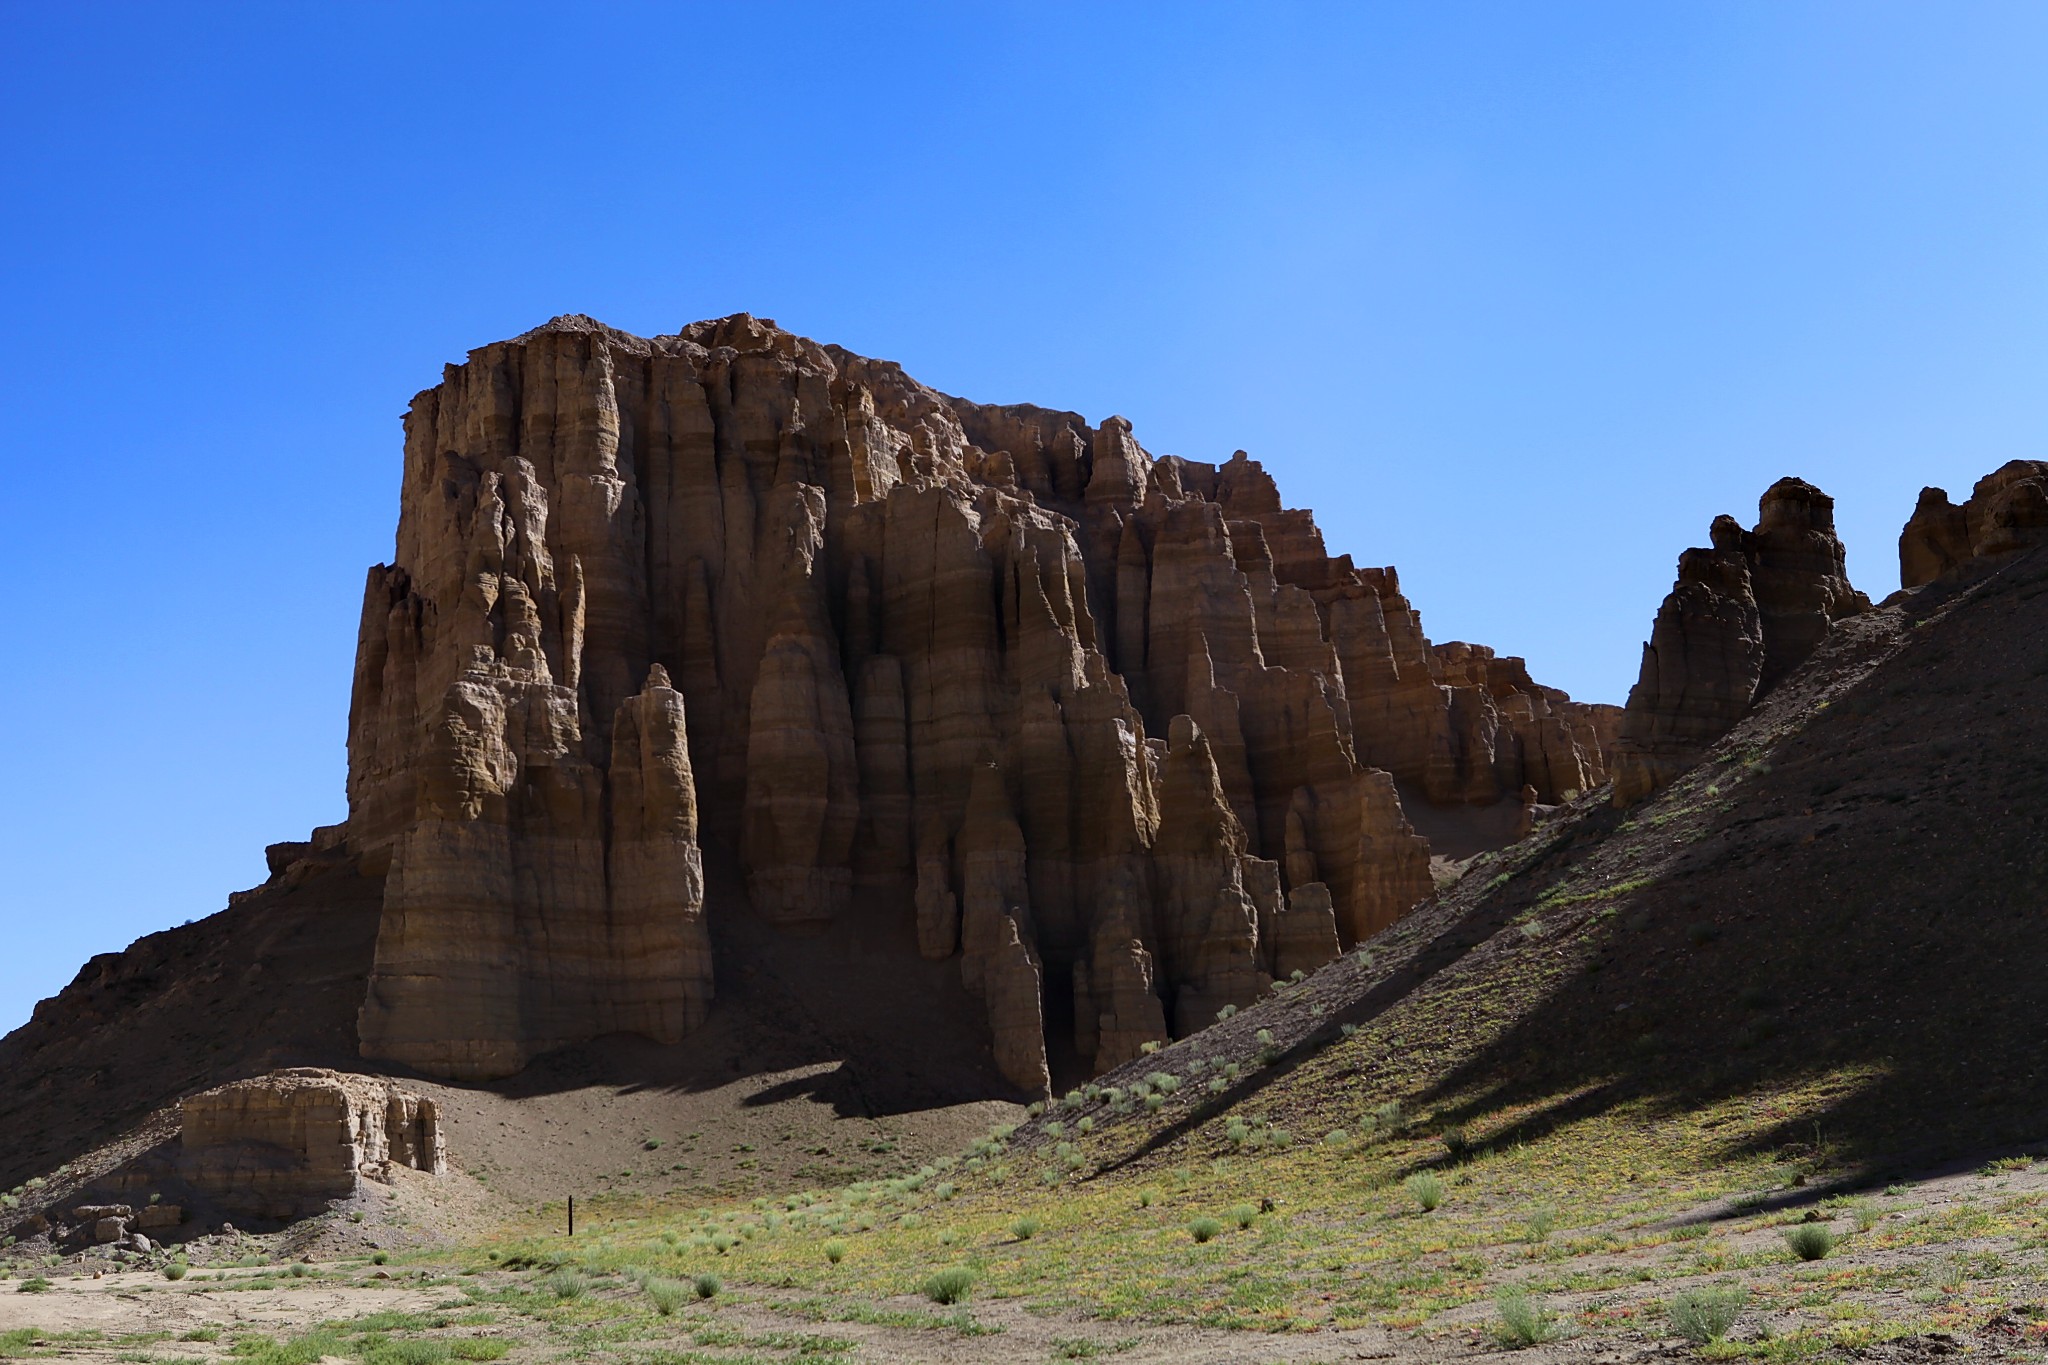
(1742, 615)
(2007, 512)
(283, 1144)
(1085, 714)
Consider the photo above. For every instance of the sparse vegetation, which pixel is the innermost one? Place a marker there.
(1204, 1229)
(1522, 1318)
(1426, 1189)
(950, 1285)
(1706, 1314)
(567, 1283)
(1810, 1241)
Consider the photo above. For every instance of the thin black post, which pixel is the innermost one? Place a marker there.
(572, 1215)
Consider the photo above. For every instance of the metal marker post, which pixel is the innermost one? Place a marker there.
(572, 1215)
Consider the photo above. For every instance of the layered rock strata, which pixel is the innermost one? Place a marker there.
(1743, 614)
(1090, 717)
(285, 1143)
(2006, 512)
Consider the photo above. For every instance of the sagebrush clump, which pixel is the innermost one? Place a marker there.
(1705, 1314)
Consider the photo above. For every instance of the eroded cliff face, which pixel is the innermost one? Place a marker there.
(1088, 716)
(1743, 614)
(2006, 513)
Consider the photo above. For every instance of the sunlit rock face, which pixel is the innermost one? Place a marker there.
(1743, 614)
(1089, 716)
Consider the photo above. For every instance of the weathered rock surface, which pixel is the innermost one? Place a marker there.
(283, 1144)
(1743, 614)
(1085, 714)
(2006, 512)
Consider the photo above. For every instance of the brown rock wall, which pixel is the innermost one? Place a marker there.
(284, 1143)
(884, 638)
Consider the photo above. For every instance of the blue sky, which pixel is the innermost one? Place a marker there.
(1516, 296)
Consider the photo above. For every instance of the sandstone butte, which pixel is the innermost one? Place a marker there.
(1076, 714)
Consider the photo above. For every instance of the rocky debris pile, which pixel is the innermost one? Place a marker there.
(1743, 614)
(286, 1143)
(1093, 718)
(119, 1226)
(2007, 512)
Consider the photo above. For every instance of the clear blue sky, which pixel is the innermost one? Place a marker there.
(1516, 296)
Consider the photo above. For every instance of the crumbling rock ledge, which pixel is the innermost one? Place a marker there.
(285, 1143)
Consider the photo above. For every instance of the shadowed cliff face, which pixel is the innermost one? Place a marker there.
(1114, 732)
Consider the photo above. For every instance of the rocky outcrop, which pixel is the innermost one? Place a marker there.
(285, 1143)
(2006, 512)
(1084, 714)
(1743, 614)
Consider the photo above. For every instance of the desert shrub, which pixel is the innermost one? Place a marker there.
(1425, 1189)
(1349, 1030)
(1226, 1012)
(1085, 1126)
(1265, 1037)
(1542, 1221)
(1705, 1314)
(950, 1285)
(381, 1258)
(667, 1295)
(1054, 1128)
(1867, 1214)
(176, 1270)
(34, 1284)
(1145, 1198)
(1165, 1082)
(1524, 1320)
(707, 1286)
(1336, 1137)
(479, 1348)
(1203, 1229)
(946, 1189)
(1025, 1228)
(1810, 1241)
(1454, 1140)
(567, 1284)
(1218, 1085)
(1154, 1103)
(1388, 1115)
(1074, 1099)
(835, 1251)
(1242, 1215)
(299, 1270)
(1148, 1048)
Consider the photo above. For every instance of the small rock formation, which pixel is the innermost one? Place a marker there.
(927, 648)
(285, 1143)
(1742, 616)
(2007, 512)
